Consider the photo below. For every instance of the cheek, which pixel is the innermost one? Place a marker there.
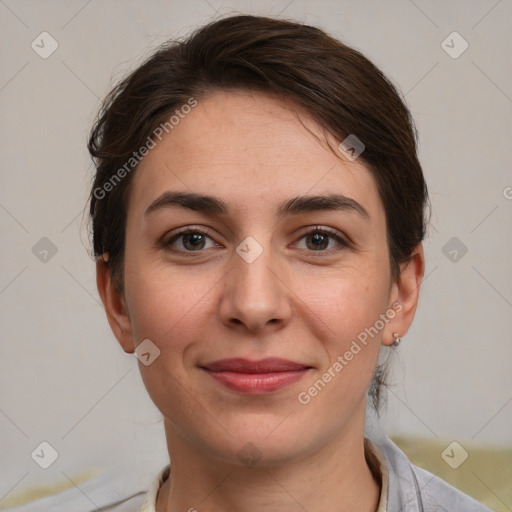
(351, 349)
(165, 307)
(168, 311)
(348, 301)
(348, 307)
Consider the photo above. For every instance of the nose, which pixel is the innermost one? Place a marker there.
(255, 297)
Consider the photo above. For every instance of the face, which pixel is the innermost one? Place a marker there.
(259, 278)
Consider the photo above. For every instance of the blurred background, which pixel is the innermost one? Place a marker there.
(64, 379)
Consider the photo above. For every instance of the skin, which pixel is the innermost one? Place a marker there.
(253, 152)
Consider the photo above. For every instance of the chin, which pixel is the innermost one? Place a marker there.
(263, 440)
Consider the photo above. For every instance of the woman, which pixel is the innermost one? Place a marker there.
(258, 212)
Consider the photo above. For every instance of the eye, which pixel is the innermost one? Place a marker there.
(318, 240)
(195, 240)
(189, 240)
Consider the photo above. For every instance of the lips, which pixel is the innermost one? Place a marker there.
(255, 377)
(241, 365)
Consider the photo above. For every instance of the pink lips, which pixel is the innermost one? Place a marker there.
(255, 377)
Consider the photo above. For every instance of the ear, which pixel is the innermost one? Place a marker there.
(404, 295)
(115, 306)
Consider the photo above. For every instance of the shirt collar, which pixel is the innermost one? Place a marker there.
(149, 504)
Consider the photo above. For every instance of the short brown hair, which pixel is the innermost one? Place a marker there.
(336, 85)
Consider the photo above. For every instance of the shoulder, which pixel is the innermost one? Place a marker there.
(415, 489)
(64, 502)
(438, 495)
(120, 489)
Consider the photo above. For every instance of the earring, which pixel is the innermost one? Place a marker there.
(397, 339)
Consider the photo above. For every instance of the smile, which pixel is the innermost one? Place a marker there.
(255, 377)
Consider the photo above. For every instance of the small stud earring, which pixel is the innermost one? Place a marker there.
(396, 339)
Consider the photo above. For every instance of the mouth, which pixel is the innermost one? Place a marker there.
(255, 377)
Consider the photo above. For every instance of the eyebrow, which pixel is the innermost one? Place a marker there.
(294, 206)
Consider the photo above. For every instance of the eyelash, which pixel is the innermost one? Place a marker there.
(317, 230)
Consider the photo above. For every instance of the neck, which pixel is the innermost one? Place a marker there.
(335, 478)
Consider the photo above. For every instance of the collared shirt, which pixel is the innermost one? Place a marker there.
(149, 504)
(404, 488)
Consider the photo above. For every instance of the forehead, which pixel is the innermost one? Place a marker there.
(251, 149)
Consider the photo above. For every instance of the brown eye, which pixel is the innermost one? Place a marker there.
(318, 240)
(189, 241)
(193, 241)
